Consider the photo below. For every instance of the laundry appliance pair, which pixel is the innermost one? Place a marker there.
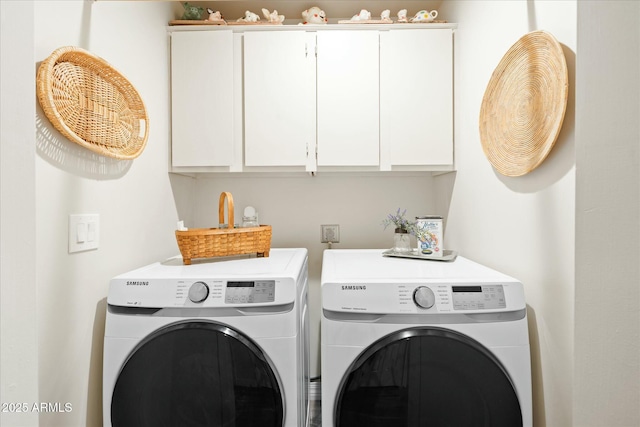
(216, 343)
(409, 343)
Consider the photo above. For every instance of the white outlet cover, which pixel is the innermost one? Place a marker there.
(330, 233)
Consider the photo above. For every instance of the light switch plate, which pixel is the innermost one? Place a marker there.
(84, 232)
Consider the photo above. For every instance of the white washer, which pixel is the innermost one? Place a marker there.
(215, 343)
(409, 342)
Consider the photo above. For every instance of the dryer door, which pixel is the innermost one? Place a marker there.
(197, 374)
(427, 377)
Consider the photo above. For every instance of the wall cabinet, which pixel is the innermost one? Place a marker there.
(279, 98)
(202, 73)
(416, 98)
(314, 99)
(348, 98)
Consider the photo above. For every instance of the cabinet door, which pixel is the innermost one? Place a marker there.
(279, 98)
(416, 97)
(348, 98)
(202, 98)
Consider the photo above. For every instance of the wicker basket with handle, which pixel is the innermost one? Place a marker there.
(217, 242)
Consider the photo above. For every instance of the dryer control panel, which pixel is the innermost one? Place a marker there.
(425, 297)
(485, 297)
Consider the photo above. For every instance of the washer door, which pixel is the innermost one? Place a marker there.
(197, 374)
(427, 377)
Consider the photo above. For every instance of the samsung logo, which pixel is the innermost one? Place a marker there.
(137, 283)
(354, 287)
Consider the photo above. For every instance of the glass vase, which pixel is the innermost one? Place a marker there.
(401, 242)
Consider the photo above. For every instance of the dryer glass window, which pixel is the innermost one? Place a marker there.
(427, 377)
(197, 374)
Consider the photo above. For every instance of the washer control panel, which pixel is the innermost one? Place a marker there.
(250, 292)
(203, 292)
(424, 297)
(198, 292)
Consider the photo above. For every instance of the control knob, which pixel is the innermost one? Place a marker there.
(424, 297)
(198, 292)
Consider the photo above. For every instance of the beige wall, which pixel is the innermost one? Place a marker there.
(607, 296)
(134, 199)
(522, 226)
(18, 311)
(531, 227)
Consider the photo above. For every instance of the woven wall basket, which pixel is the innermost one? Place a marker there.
(92, 104)
(524, 104)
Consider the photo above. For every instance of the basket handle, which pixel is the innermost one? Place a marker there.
(229, 197)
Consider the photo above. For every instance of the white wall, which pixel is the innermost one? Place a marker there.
(133, 198)
(607, 338)
(18, 314)
(521, 226)
(296, 205)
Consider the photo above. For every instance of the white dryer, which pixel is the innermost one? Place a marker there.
(409, 342)
(215, 343)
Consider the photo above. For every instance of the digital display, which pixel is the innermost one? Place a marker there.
(250, 291)
(478, 297)
(467, 288)
(241, 284)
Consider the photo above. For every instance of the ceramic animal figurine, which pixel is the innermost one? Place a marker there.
(192, 13)
(385, 16)
(249, 17)
(272, 16)
(314, 15)
(214, 15)
(402, 15)
(364, 15)
(425, 16)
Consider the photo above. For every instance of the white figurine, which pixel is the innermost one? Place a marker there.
(402, 15)
(249, 17)
(314, 15)
(385, 16)
(364, 15)
(214, 15)
(272, 16)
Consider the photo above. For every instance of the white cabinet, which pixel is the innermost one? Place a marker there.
(313, 99)
(297, 103)
(202, 105)
(279, 98)
(348, 98)
(416, 98)
(385, 98)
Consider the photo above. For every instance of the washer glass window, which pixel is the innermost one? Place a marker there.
(427, 377)
(197, 374)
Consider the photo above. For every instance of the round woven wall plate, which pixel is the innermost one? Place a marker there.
(92, 104)
(524, 104)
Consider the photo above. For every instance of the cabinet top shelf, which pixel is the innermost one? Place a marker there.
(309, 28)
